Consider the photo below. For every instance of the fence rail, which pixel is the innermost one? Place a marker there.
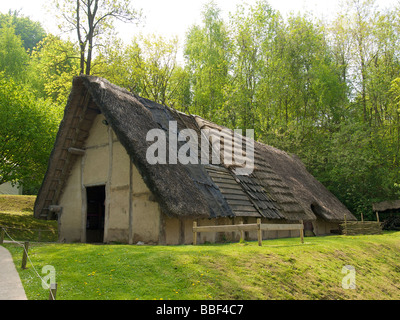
(259, 227)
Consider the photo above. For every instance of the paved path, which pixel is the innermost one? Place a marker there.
(10, 283)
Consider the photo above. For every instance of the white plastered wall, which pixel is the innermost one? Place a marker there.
(131, 213)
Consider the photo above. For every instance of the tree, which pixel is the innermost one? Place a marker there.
(207, 55)
(54, 62)
(92, 19)
(147, 67)
(253, 30)
(31, 32)
(153, 60)
(27, 133)
(13, 57)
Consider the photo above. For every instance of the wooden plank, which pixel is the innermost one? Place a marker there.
(236, 197)
(232, 192)
(243, 208)
(213, 172)
(247, 214)
(239, 202)
(226, 228)
(229, 186)
(227, 180)
(281, 227)
(76, 151)
(218, 169)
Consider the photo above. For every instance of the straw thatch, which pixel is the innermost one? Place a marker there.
(280, 188)
(386, 206)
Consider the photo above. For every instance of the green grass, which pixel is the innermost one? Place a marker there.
(280, 269)
(16, 214)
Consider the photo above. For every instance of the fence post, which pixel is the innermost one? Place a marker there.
(2, 236)
(194, 233)
(302, 232)
(241, 233)
(25, 255)
(345, 224)
(53, 291)
(259, 232)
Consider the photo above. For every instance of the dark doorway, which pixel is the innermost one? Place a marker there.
(96, 197)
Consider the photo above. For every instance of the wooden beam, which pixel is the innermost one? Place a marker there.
(55, 209)
(259, 232)
(281, 227)
(25, 255)
(75, 151)
(226, 228)
(195, 233)
(302, 231)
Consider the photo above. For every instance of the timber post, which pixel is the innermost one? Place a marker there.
(302, 232)
(241, 233)
(194, 233)
(25, 255)
(53, 291)
(2, 236)
(259, 232)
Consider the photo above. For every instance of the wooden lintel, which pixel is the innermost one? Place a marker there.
(54, 208)
(75, 151)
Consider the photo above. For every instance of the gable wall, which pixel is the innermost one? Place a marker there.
(131, 213)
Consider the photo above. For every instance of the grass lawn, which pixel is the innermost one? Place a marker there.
(16, 214)
(280, 269)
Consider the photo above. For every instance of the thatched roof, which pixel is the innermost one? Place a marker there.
(386, 205)
(280, 188)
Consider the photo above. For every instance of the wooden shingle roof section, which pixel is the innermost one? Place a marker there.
(232, 191)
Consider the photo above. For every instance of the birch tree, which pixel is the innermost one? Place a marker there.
(91, 20)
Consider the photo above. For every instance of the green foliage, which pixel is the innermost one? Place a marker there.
(53, 64)
(27, 132)
(92, 22)
(147, 67)
(30, 32)
(326, 92)
(207, 53)
(13, 57)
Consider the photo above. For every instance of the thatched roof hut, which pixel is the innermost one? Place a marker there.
(386, 206)
(101, 118)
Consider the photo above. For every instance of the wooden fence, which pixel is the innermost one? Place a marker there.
(259, 227)
(351, 228)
